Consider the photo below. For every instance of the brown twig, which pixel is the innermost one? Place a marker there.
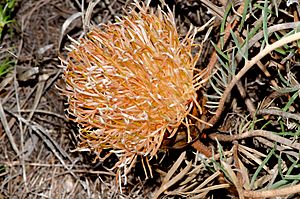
(215, 9)
(247, 66)
(282, 149)
(273, 193)
(256, 133)
(280, 113)
(213, 60)
(237, 162)
(200, 147)
(266, 102)
(271, 29)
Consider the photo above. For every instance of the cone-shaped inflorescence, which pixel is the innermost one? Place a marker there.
(130, 83)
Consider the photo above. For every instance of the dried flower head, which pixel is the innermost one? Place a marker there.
(130, 82)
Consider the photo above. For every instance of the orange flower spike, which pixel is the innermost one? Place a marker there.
(130, 83)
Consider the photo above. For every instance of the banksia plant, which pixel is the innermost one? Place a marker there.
(131, 83)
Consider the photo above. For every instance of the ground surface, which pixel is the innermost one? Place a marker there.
(39, 158)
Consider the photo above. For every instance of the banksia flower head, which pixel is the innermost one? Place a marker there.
(130, 83)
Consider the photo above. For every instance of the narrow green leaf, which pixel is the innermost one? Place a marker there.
(265, 21)
(220, 52)
(291, 101)
(264, 162)
(279, 184)
(236, 41)
(245, 12)
(223, 24)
